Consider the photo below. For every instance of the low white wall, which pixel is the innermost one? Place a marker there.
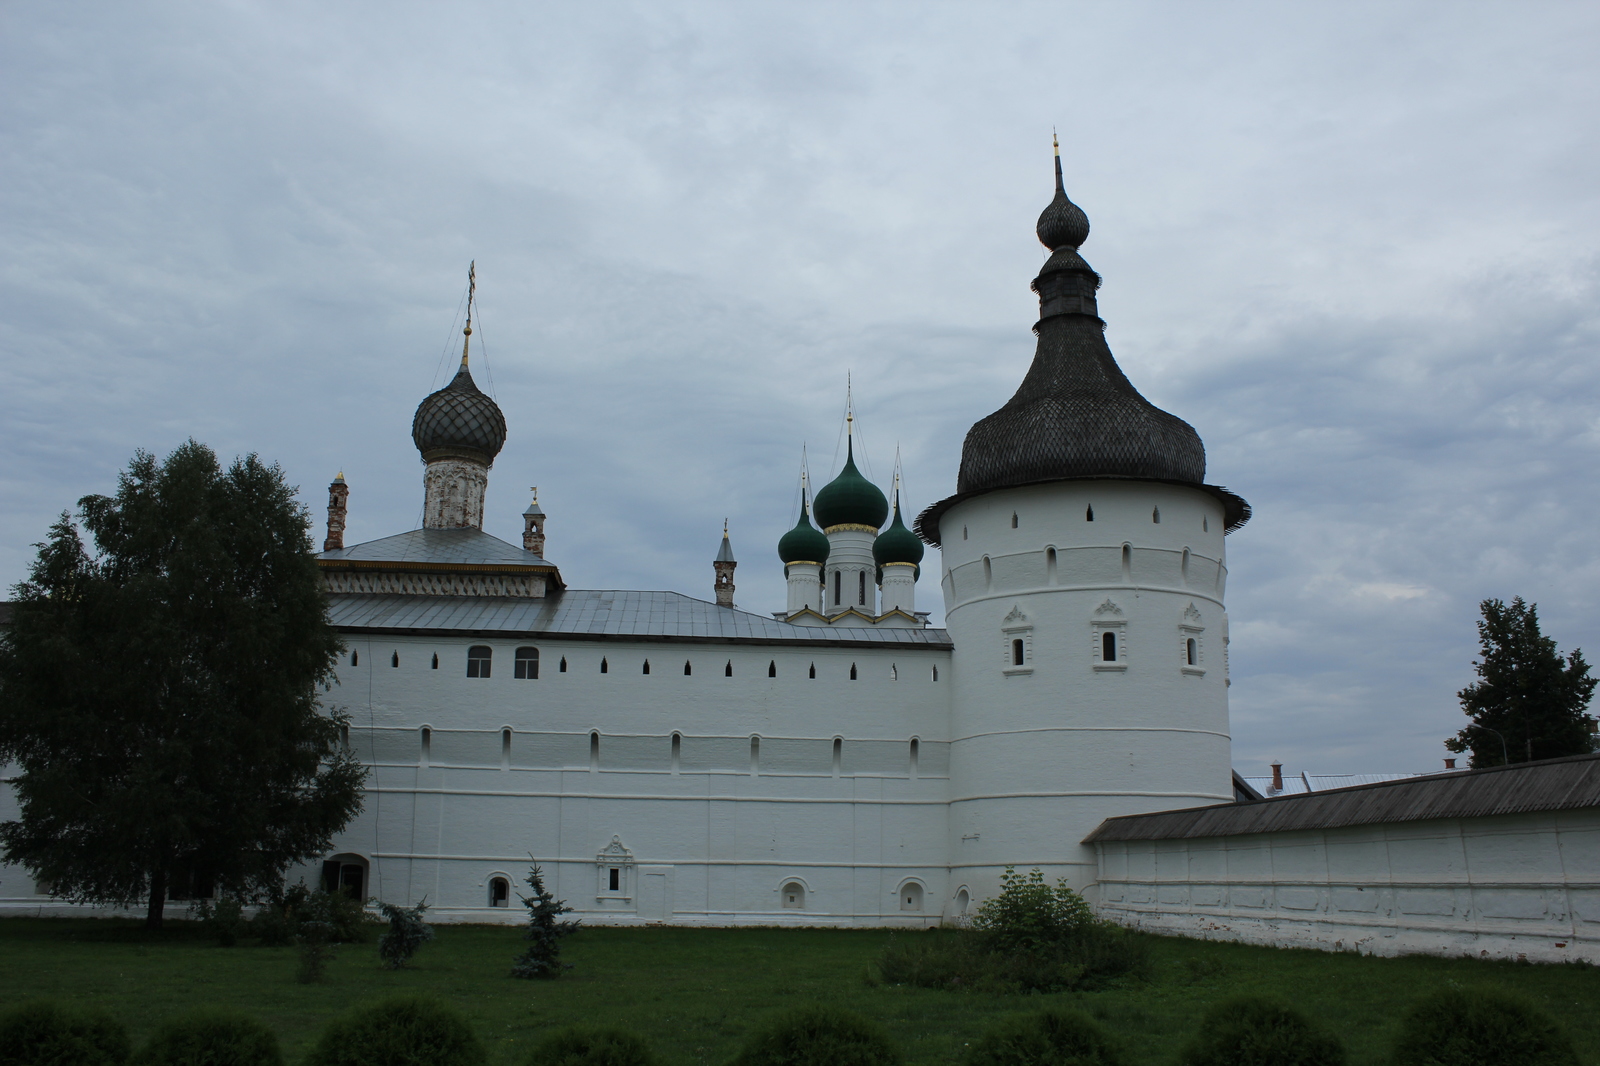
(1507, 886)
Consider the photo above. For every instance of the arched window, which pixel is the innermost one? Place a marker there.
(427, 745)
(505, 748)
(677, 751)
(1108, 647)
(861, 594)
(838, 755)
(1127, 562)
(962, 902)
(436, 660)
(499, 892)
(394, 659)
(988, 572)
(772, 668)
(647, 666)
(526, 666)
(1016, 652)
(1184, 568)
(794, 896)
(1191, 652)
(916, 754)
(813, 671)
(563, 667)
(355, 658)
(911, 896)
(755, 756)
(1050, 565)
(852, 671)
(594, 750)
(604, 666)
(727, 671)
(686, 668)
(478, 660)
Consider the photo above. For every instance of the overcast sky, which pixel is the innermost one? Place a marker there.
(1353, 244)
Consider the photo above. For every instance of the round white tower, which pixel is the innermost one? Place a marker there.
(1083, 577)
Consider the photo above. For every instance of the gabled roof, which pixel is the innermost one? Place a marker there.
(438, 547)
(1547, 785)
(581, 614)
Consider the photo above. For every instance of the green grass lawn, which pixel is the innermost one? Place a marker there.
(695, 993)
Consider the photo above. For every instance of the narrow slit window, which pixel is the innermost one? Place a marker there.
(936, 673)
(894, 672)
(677, 751)
(563, 667)
(526, 664)
(1190, 653)
(394, 659)
(436, 660)
(505, 747)
(687, 670)
(916, 752)
(614, 879)
(1013, 520)
(852, 671)
(838, 597)
(838, 755)
(727, 671)
(1088, 513)
(427, 745)
(755, 756)
(594, 750)
(1016, 651)
(1127, 562)
(1155, 515)
(1108, 647)
(478, 660)
(344, 736)
(1205, 524)
(988, 572)
(604, 666)
(772, 668)
(963, 532)
(813, 671)
(861, 595)
(355, 658)
(646, 666)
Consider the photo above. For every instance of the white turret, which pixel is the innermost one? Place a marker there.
(803, 550)
(1083, 577)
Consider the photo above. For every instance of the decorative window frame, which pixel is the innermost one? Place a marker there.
(614, 856)
(1192, 628)
(806, 898)
(899, 896)
(1108, 618)
(1015, 626)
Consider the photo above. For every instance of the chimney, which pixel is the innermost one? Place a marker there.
(1277, 777)
(337, 492)
(1449, 764)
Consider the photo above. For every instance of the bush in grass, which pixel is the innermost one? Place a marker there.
(818, 1036)
(278, 921)
(407, 933)
(1480, 1027)
(1029, 914)
(1251, 1031)
(211, 1039)
(404, 1031)
(544, 932)
(223, 919)
(582, 1046)
(42, 1034)
(1049, 1038)
(314, 947)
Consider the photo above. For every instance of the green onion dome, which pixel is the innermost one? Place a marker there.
(897, 544)
(851, 499)
(805, 542)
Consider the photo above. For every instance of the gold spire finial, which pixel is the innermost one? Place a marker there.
(1054, 142)
(849, 403)
(472, 291)
(724, 529)
(340, 477)
(535, 490)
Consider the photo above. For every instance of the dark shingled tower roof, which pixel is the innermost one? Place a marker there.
(459, 417)
(1076, 415)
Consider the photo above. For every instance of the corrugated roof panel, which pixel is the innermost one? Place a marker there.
(1553, 784)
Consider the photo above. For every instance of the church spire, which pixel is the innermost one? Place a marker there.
(1062, 223)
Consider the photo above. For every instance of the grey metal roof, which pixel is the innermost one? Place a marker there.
(725, 553)
(454, 547)
(1294, 784)
(1548, 785)
(584, 614)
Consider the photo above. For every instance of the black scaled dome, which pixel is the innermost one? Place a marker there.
(459, 418)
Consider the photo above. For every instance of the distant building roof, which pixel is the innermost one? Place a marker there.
(1296, 784)
(438, 547)
(581, 614)
(1547, 785)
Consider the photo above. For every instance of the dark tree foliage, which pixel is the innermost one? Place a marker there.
(403, 1031)
(160, 695)
(1053, 1037)
(211, 1038)
(1528, 696)
(407, 933)
(818, 1036)
(43, 1032)
(1252, 1031)
(544, 933)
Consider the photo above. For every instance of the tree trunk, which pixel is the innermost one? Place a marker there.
(158, 899)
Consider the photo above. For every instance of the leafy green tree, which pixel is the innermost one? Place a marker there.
(160, 695)
(1530, 702)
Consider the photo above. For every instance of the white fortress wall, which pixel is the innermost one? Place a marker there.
(749, 798)
(1041, 753)
(1504, 886)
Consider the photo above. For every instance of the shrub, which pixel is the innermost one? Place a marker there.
(407, 933)
(404, 1031)
(580, 1046)
(970, 960)
(315, 944)
(223, 919)
(278, 921)
(42, 1034)
(1480, 1026)
(1251, 1031)
(544, 933)
(211, 1039)
(1028, 914)
(818, 1036)
(1049, 1038)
